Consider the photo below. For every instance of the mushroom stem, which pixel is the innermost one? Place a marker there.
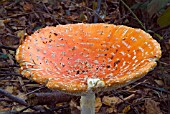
(87, 103)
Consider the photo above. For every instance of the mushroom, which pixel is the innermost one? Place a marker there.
(83, 59)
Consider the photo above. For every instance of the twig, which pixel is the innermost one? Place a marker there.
(5, 99)
(47, 111)
(7, 47)
(155, 88)
(97, 11)
(9, 74)
(46, 8)
(22, 84)
(50, 13)
(11, 35)
(15, 112)
(35, 90)
(129, 97)
(48, 98)
(7, 65)
(88, 9)
(133, 14)
(12, 97)
(16, 99)
(60, 107)
(126, 102)
(38, 111)
(16, 15)
(33, 12)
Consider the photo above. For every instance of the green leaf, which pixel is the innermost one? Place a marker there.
(94, 5)
(159, 36)
(155, 34)
(164, 19)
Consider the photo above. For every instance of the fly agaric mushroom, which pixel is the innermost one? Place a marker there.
(84, 59)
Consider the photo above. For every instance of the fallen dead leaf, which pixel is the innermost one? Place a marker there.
(21, 95)
(159, 82)
(19, 108)
(2, 108)
(45, 1)
(9, 89)
(59, 104)
(109, 110)
(111, 101)
(27, 6)
(74, 104)
(152, 107)
(21, 34)
(2, 23)
(98, 104)
(126, 109)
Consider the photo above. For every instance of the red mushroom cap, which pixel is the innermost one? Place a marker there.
(77, 58)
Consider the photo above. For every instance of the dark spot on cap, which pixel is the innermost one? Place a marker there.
(107, 48)
(74, 48)
(50, 40)
(55, 34)
(78, 72)
(116, 62)
(111, 57)
(108, 66)
(44, 42)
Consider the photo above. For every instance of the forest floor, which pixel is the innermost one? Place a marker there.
(149, 95)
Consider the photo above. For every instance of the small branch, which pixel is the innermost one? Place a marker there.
(9, 48)
(12, 97)
(60, 107)
(16, 99)
(36, 90)
(17, 15)
(48, 98)
(133, 14)
(47, 111)
(88, 9)
(5, 99)
(155, 88)
(9, 74)
(126, 102)
(5, 65)
(97, 11)
(50, 13)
